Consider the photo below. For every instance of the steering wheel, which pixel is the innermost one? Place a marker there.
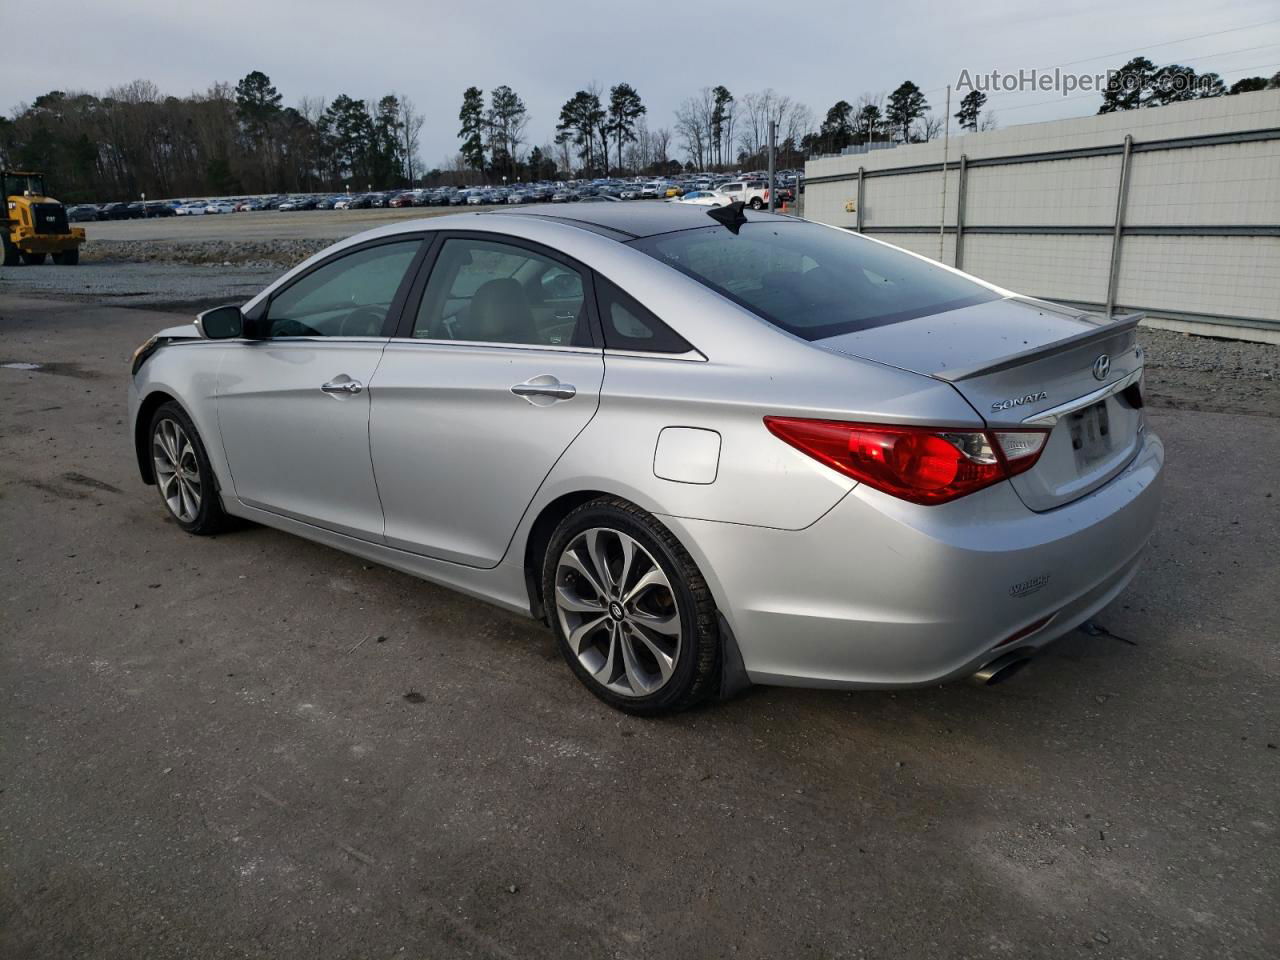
(363, 322)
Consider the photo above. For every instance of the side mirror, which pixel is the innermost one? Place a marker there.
(221, 323)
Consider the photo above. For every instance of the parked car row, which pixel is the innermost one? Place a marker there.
(706, 188)
(90, 212)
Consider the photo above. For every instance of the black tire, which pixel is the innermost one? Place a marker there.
(67, 258)
(210, 517)
(757, 203)
(11, 255)
(33, 259)
(696, 672)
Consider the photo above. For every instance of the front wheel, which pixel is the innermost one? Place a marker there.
(67, 258)
(182, 472)
(632, 614)
(33, 259)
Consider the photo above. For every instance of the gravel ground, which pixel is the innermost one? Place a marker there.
(250, 746)
(1206, 373)
(178, 287)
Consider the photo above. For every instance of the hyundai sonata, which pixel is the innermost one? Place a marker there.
(707, 447)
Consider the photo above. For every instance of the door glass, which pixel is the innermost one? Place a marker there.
(493, 292)
(348, 297)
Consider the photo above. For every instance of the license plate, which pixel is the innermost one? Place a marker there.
(1091, 433)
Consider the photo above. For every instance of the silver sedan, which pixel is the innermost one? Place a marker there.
(708, 447)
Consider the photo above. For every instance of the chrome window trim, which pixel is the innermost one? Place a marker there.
(689, 356)
(307, 339)
(497, 345)
(694, 356)
(1051, 416)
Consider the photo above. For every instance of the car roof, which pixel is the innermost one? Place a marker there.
(634, 220)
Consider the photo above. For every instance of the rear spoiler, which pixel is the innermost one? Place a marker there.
(1104, 331)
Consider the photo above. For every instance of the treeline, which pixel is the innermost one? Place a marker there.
(242, 139)
(228, 140)
(596, 135)
(1140, 83)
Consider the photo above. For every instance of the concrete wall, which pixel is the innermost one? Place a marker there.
(1201, 238)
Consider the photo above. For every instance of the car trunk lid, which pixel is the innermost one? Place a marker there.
(1030, 364)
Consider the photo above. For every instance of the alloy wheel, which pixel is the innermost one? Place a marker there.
(618, 612)
(177, 469)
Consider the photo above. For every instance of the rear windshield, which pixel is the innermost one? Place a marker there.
(813, 281)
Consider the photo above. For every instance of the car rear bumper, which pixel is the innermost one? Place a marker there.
(883, 593)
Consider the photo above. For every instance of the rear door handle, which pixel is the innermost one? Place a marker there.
(545, 386)
(342, 385)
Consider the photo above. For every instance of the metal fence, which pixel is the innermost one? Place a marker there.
(1185, 228)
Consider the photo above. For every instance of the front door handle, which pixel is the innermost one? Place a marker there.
(545, 386)
(342, 385)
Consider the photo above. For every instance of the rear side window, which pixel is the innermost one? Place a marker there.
(487, 291)
(629, 326)
(811, 280)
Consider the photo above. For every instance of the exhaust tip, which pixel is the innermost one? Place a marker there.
(1000, 669)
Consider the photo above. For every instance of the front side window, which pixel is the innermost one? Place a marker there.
(488, 291)
(347, 297)
(813, 281)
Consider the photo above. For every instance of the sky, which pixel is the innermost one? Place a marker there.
(816, 51)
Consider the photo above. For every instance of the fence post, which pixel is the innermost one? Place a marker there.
(946, 152)
(960, 193)
(1122, 198)
(860, 196)
(773, 143)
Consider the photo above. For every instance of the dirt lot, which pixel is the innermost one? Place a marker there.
(253, 746)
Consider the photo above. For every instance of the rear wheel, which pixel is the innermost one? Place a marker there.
(33, 259)
(67, 258)
(757, 203)
(183, 475)
(11, 256)
(631, 612)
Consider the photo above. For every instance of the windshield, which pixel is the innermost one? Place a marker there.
(811, 280)
(15, 184)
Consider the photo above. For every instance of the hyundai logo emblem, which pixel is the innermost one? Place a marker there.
(1101, 367)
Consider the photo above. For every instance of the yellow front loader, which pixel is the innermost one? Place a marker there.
(34, 225)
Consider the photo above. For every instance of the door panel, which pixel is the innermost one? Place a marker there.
(293, 448)
(457, 455)
(293, 409)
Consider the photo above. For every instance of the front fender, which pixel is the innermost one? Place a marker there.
(186, 372)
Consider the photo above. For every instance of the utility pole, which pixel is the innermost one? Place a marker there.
(773, 143)
(946, 145)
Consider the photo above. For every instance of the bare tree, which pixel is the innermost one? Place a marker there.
(661, 144)
(927, 128)
(694, 126)
(988, 122)
(797, 122)
(751, 123)
(410, 128)
(563, 158)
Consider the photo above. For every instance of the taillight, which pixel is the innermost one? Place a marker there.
(927, 465)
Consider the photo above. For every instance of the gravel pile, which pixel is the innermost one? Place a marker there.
(180, 288)
(247, 253)
(1232, 359)
(1205, 373)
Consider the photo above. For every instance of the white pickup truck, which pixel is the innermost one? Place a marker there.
(754, 195)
